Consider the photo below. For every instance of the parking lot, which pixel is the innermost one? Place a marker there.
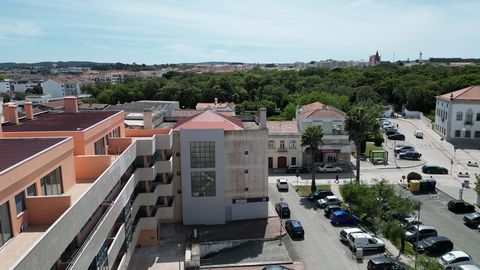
(321, 247)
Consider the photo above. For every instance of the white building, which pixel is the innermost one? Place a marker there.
(223, 168)
(457, 114)
(22, 86)
(336, 145)
(62, 86)
(5, 86)
(217, 106)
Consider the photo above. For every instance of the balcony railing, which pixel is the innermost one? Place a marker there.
(282, 149)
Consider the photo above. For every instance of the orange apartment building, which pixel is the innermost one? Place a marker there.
(78, 191)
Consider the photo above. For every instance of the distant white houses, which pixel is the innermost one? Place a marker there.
(217, 106)
(5, 86)
(62, 86)
(457, 114)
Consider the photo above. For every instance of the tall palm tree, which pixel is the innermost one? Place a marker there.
(360, 123)
(312, 138)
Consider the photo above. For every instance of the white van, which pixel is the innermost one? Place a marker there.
(418, 134)
(345, 233)
(365, 241)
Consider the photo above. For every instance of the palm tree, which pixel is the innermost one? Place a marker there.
(312, 138)
(360, 123)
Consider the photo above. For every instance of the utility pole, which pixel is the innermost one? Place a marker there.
(281, 223)
(418, 228)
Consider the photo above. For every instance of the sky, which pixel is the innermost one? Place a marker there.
(253, 31)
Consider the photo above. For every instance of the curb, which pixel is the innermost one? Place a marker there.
(245, 264)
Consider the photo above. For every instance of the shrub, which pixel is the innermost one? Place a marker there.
(413, 176)
(378, 140)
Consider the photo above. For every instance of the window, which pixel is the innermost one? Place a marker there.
(31, 190)
(202, 154)
(116, 132)
(459, 116)
(468, 134)
(282, 144)
(20, 202)
(100, 147)
(51, 184)
(293, 144)
(5, 225)
(203, 184)
(271, 144)
(468, 119)
(294, 161)
(477, 134)
(458, 133)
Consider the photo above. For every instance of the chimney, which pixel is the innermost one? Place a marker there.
(147, 119)
(263, 118)
(70, 104)
(28, 108)
(1, 131)
(216, 101)
(13, 113)
(6, 115)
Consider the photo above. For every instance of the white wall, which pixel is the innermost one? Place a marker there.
(53, 88)
(203, 210)
(450, 124)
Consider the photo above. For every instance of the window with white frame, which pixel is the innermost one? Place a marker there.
(459, 116)
(292, 144)
(271, 144)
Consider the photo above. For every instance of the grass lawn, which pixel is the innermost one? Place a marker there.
(408, 247)
(304, 190)
(371, 146)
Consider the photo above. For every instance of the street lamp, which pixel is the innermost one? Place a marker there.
(179, 249)
(418, 228)
(281, 223)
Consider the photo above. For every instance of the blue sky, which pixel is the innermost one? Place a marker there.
(175, 31)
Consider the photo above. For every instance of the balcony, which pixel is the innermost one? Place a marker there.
(116, 244)
(282, 149)
(164, 166)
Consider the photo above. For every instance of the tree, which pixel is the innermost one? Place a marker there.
(360, 123)
(413, 176)
(312, 138)
(477, 187)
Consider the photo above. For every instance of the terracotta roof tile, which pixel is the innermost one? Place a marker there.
(471, 93)
(319, 110)
(209, 119)
(282, 127)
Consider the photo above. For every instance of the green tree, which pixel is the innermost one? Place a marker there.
(477, 188)
(360, 123)
(312, 138)
(428, 263)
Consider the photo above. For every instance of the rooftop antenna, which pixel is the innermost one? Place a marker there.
(393, 58)
(420, 58)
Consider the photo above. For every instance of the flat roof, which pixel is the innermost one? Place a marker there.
(14, 151)
(60, 121)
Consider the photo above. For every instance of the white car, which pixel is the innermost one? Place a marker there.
(282, 184)
(329, 168)
(329, 200)
(454, 257)
(345, 233)
(366, 242)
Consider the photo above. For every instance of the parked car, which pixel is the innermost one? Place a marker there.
(345, 233)
(329, 209)
(468, 266)
(423, 232)
(319, 194)
(385, 263)
(397, 137)
(418, 134)
(472, 219)
(403, 148)
(296, 168)
(432, 168)
(453, 258)
(365, 241)
(409, 155)
(460, 206)
(343, 218)
(294, 228)
(329, 169)
(329, 200)
(276, 267)
(410, 221)
(391, 131)
(282, 209)
(282, 184)
(433, 245)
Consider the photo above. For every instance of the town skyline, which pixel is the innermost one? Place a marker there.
(249, 32)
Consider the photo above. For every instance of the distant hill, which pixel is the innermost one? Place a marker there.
(51, 64)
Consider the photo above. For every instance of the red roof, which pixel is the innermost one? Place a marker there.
(282, 127)
(209, 120)
(319, 110)
(471, 93)
(186, 113)
(210, 106)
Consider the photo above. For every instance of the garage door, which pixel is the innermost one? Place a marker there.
(270, 162)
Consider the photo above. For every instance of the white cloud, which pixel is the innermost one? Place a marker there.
(19, 30)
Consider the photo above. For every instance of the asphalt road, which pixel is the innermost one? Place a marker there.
(321, 247)
(434, 212)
